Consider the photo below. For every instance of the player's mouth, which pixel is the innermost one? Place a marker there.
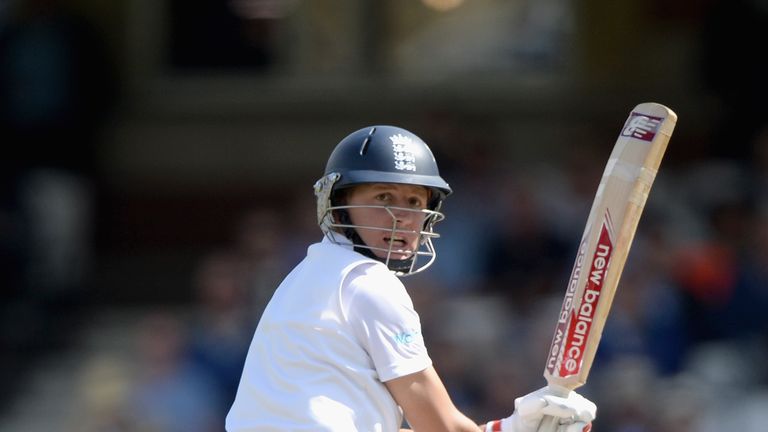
(397, 243)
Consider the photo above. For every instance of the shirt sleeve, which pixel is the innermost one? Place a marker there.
(383, 319)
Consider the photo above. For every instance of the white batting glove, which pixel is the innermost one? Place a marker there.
(574, 413)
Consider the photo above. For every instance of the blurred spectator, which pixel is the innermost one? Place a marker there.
(105, 389)
(222, 324)
(261, 248)
(626, 390)
(460, 265)
(750, 297)
(525, 254)
(729, 377)
(171, 394)
(719, 294)
(647, 321)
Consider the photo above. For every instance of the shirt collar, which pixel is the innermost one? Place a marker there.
(332, 237)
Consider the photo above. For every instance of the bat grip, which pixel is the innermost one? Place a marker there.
(551, 423)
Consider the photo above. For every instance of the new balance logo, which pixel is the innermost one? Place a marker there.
(641, 127)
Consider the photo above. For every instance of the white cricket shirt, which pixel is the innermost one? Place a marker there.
(337, 327)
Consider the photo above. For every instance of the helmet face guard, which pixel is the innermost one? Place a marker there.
(382, 154)
(337, 227)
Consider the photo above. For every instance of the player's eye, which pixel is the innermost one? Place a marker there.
(415, 202)
(383, 197)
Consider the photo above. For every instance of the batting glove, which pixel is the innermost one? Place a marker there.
(574, 413)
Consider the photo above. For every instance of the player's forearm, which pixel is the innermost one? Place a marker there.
(459, 423)
(477, 429)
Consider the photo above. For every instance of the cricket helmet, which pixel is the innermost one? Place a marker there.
(381, 154)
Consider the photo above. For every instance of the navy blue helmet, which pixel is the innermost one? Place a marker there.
(381, 154)
(386, 154)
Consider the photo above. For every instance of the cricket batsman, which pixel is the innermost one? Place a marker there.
(339, 346)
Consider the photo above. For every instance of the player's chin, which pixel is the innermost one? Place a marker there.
(401, 256)
(397, 253)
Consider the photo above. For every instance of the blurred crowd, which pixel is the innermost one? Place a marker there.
(681, 351)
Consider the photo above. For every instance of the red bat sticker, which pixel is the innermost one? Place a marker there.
(574, 325)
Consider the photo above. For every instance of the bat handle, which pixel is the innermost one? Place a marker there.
(551, 423)
(548, 424)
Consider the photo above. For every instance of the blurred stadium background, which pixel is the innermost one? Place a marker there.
(157, 165)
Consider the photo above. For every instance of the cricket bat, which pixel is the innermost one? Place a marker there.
(605, 244)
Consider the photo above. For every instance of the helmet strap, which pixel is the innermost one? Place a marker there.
(361, 248)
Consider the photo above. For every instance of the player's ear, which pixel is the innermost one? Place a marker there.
(339, 197)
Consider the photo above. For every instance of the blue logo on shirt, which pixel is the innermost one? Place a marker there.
(407, 337)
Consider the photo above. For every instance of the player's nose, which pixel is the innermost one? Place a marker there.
(406, 219)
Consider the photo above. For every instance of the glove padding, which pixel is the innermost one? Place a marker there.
(574, 412)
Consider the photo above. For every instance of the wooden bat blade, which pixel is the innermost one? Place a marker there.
(608, 234)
